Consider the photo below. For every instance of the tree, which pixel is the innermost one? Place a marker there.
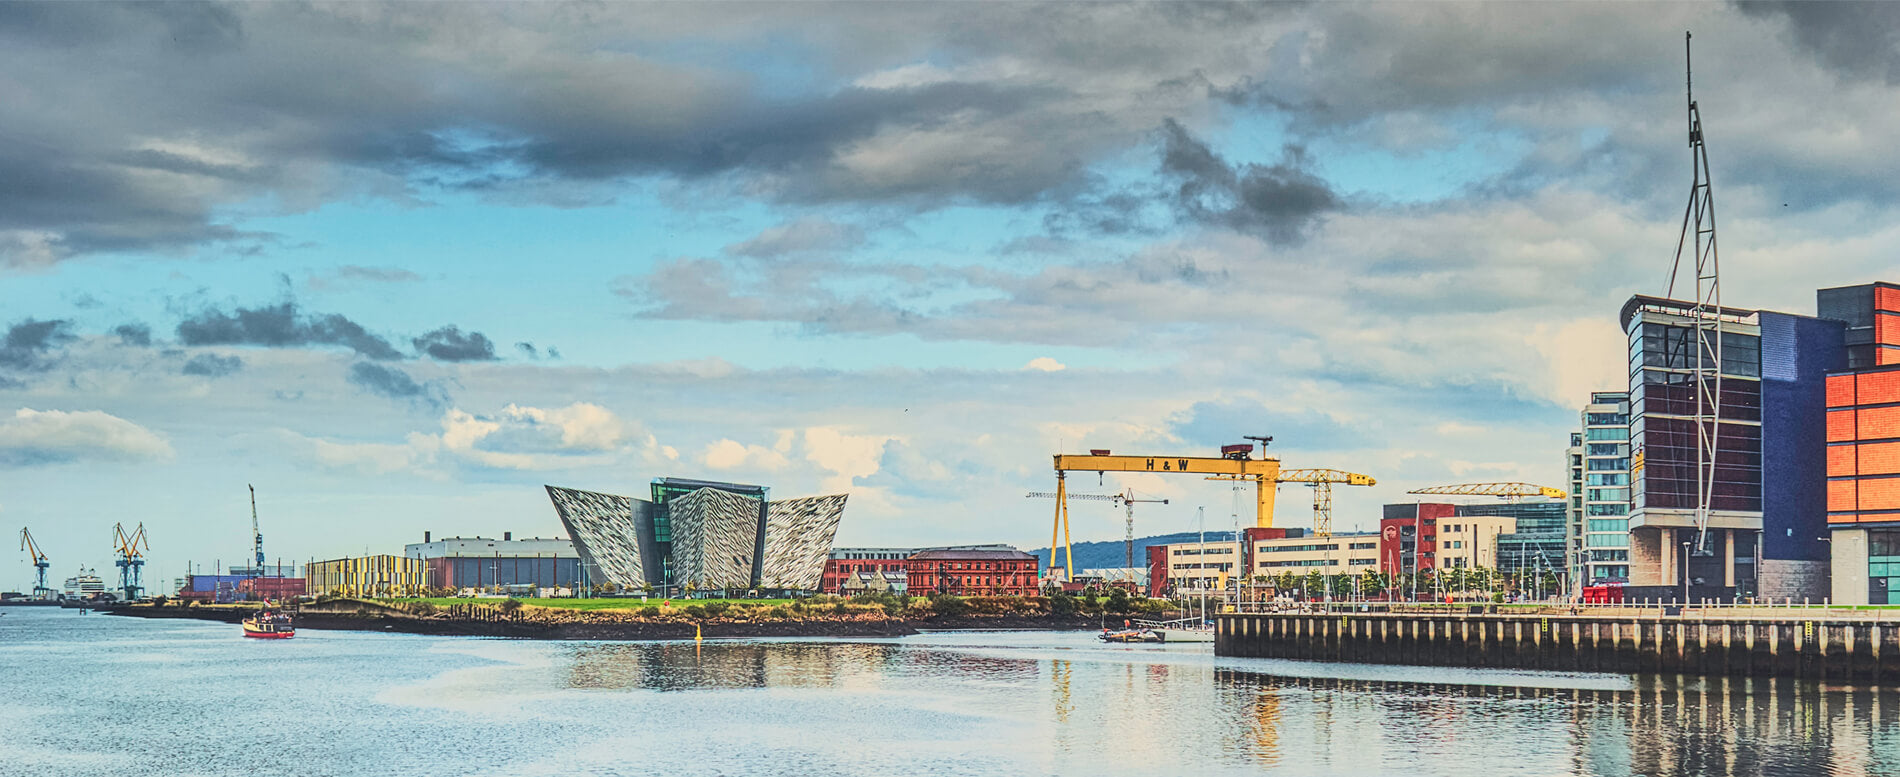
(1287, 582)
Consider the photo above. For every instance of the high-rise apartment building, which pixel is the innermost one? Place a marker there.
(1598, 535)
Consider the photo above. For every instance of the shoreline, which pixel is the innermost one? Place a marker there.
(364, 616)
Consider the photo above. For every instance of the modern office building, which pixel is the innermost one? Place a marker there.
(1216, 565)
(1763, 534)
(1863, 445)
(1536, 541)
(484, 563)
(1598, 532)
(702, 535)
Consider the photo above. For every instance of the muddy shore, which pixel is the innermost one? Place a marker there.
(376, 618)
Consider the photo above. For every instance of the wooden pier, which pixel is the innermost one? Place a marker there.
(1830, 646)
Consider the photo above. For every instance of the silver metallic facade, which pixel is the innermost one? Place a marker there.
(604, 531)
(709, 538)
(798, 535)
(715, 538)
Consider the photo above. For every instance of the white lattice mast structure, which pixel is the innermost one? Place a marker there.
(1698, 239)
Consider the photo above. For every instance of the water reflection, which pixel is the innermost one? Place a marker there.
(1664, 725)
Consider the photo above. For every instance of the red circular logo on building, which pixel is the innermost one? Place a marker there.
(1391, 532)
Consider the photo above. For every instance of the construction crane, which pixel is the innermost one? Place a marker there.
(1235, 460)
(1322, 481)
(257, 538)
(131, 558)
(1510, 490)
(1127, 500)
(40, 563)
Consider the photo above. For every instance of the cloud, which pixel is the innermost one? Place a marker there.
(28, 342)
(351, 273)
(449, 344)
(804, 235)
(1855, 38)
(1214, 423)
(1045, 364)
(391, 382)
(1282, 201)
(134, 334)
(730, 455)
(281, 325)
(33, 438)
(211, 365)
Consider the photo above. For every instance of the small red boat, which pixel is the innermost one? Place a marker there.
(269, 624)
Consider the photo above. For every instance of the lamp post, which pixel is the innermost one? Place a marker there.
(1685, 572)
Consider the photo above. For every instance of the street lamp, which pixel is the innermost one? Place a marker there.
(1685, 572)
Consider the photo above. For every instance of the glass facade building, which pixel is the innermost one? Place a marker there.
(1763, 532)
(1598, 530)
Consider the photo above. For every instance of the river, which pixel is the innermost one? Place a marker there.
(97, 695)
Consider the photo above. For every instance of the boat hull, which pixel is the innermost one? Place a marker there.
(1185, 635)
(256, 630)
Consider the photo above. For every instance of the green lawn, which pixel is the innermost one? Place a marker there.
(602, 604)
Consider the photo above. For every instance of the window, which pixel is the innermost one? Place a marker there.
(1608, 479)
(1607, 433)
(1604, 449)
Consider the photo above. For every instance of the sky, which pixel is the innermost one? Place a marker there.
(399, 265)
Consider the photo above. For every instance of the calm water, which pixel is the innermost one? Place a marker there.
(97, 695)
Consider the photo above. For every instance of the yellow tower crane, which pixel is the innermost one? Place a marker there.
(1322, 481)
(1507, 490)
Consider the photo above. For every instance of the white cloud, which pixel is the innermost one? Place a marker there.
(727, 455)
(56, 436)
(1045, 364)
(846, 456)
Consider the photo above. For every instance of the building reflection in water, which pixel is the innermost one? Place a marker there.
(1662, 725)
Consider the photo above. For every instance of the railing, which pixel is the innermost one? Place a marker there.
(1637, 608)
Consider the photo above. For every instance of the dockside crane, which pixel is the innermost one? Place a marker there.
(131, 560)
(40, 564)
(1127, 500)
(257, 537)
(1322, 481)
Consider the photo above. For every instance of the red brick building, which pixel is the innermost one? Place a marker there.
(973, 573)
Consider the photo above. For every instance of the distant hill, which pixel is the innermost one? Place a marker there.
(1112, 554)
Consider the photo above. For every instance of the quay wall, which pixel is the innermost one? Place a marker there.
(1822, 648)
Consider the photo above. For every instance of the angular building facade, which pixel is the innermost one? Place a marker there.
(705, 534)
(1767, 504)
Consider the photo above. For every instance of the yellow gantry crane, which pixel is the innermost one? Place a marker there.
(39, 561)
(1511, 490)
(131, 558)
(1236, 462)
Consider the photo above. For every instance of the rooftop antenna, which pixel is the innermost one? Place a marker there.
(1698, 238)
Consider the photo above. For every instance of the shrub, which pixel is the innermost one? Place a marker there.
(1063, 604)
(1117, 600)
(949, 605)
(696, 611)
(423, 609)
(716, 609)
(159, 601)
(650, 611)
(510, 604)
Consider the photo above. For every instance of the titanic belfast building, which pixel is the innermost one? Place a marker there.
(708, 534)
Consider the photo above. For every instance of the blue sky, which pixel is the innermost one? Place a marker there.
(399, 265)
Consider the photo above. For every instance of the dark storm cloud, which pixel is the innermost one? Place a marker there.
(450, 344)
(1862, 39)
(133, 334)
(211, 365)
(28, 343)
(281, 326)
(393, 383)
(1280, 202)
